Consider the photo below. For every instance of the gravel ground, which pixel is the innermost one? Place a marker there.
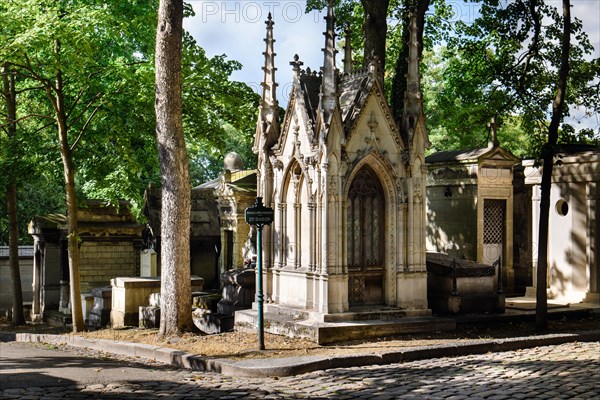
(238, 345)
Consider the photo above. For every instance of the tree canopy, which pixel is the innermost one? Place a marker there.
(503, 63)
(106, 61)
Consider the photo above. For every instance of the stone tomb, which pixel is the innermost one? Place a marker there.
(470, 205)
(128, 294)
(110, 244)
(457, 286)
(573, 266)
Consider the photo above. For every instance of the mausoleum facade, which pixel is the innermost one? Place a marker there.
(347, 184)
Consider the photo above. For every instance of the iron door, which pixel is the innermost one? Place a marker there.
(365, 249)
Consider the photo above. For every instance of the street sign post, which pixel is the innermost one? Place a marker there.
(260, 216)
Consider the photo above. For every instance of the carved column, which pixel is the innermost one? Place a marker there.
(312, 208)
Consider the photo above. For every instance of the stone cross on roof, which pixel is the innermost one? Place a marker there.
(494, 133)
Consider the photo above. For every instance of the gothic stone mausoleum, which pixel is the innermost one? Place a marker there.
(347, 184)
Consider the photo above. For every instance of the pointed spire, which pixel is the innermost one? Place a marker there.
(268, 84)
(413, 104)
(347, 51)
(328, 83)
(269, 107)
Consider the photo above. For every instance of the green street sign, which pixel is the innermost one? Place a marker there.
(258, 214)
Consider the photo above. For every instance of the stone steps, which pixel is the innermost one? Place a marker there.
(332, 332)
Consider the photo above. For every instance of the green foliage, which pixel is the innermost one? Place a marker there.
(219, 115)
(106, 59)
(506, 63)
(458, 109)
(491, 67)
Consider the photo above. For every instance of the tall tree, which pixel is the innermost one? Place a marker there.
(558, 105)
(116, 157)
(66, 50)
(9, 93)
(522, 58)
(176, 310)
(375, 27)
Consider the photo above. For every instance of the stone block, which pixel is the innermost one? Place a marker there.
(148, 263)
(87, 301)
(129, 293)
(149, 317)
(100, 312)
(154, 300)
(207, 301)
(461, 286)
(212, 323)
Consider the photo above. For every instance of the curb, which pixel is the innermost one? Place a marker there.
(280, 367)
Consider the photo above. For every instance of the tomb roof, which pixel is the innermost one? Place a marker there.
(491, 153)
(456, 155)
(352, 89)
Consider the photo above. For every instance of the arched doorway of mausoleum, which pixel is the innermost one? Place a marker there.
(365, 239)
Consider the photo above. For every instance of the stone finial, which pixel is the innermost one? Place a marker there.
(233, 162)
(296, 64)
(374, 65)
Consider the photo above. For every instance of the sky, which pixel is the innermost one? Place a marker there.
(237, 28)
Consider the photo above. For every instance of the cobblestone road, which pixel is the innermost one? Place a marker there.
(568, 371)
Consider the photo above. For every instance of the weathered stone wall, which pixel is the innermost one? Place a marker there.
(102, 261)
(26, 267)
(452, 220)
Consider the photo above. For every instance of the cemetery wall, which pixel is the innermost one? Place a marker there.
(102, 261)
(26, 267)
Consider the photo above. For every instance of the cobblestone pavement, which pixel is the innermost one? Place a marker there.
(568, 371)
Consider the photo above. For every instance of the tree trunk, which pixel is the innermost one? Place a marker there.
(375, 30)
(176, 308)
(18, 316)
(72, 218)
(541, 311)
(10, 95)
